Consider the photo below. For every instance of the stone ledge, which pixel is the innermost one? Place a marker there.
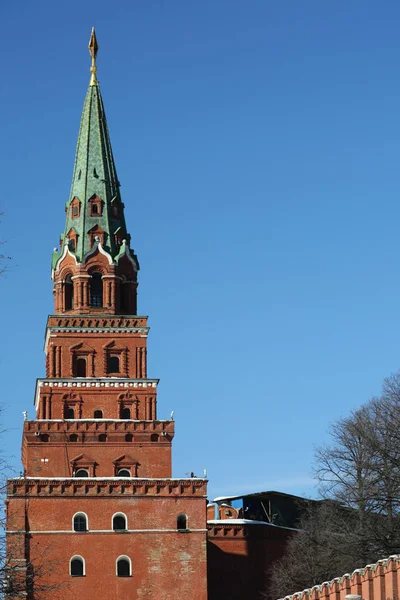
(105, 486)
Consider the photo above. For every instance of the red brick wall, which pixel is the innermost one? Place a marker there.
(239, 557)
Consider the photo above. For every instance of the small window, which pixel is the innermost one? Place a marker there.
(113, 364)
(129, 437)
(69, 293)
(73, 437)
(80, 367)
(124, 473)
(44, 437)
(181, 521)
(98, 414)
(119, 522)
(126, 413)
(95, 209)
(69, 413)
(80, 522)
(102, 437)
(77, 566)
(154, 437)
(124, 567)
(82, 473)
(96, 290)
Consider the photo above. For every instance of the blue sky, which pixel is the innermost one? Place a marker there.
(258, 147)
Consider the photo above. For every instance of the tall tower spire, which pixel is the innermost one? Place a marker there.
(95, 221)
(93, 49)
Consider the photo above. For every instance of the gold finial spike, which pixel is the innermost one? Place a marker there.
(93, 49)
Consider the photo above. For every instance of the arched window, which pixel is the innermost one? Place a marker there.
(181, 521)
(98, 414)
(69, 413)
(126, 413)
(44, 437)
(69, 293)
(82, 473)
(119, 522)
(102, 437)
(124, 566)
(77, 566)
(80, 367)
(80, 521)
(113, 364)
(124, 473)
(73, 437)
(129, 437)
(96, 290)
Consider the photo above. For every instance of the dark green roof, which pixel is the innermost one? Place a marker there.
(95, 175)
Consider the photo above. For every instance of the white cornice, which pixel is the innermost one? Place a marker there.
(142, 331)
(95, 382)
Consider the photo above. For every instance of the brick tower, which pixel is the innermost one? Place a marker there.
(97, 513)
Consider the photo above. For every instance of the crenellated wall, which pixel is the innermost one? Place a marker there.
(379, 581)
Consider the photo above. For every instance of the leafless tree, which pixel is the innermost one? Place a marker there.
(358, 472)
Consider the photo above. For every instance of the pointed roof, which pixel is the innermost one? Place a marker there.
(95, 199)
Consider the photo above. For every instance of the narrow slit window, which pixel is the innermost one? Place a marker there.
(181, 522)
(80, 367)
(113, 364)
(96, 290)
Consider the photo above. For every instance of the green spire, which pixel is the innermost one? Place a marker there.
(94, 209)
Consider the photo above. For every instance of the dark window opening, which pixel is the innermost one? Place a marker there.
(77, 567)
(181, 521)
(73, 437)
(119, 523)
(95, 209)
(96, 290)
(129, 437)
(113, 364)
(98, 414)
(123, 568)
(154, 437)
(44, 437)
(102, 437)
(69, 413)
(75, 210)
(80, 523)
(124, 473)
(69, 293)
(80, 367)
(124, 295)
(82, 473)
(126, 413)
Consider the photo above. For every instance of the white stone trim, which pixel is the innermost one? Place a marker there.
(108, 531)
(97, 382)
(75, 556)
(122, 479)
(66, 251)
(119, 514)
(97, 246)
(80, 512)
(123, 557)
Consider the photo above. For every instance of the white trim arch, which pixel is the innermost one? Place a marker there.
(123, 557)
(82, 560)
(80, 513)
(122, 515)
